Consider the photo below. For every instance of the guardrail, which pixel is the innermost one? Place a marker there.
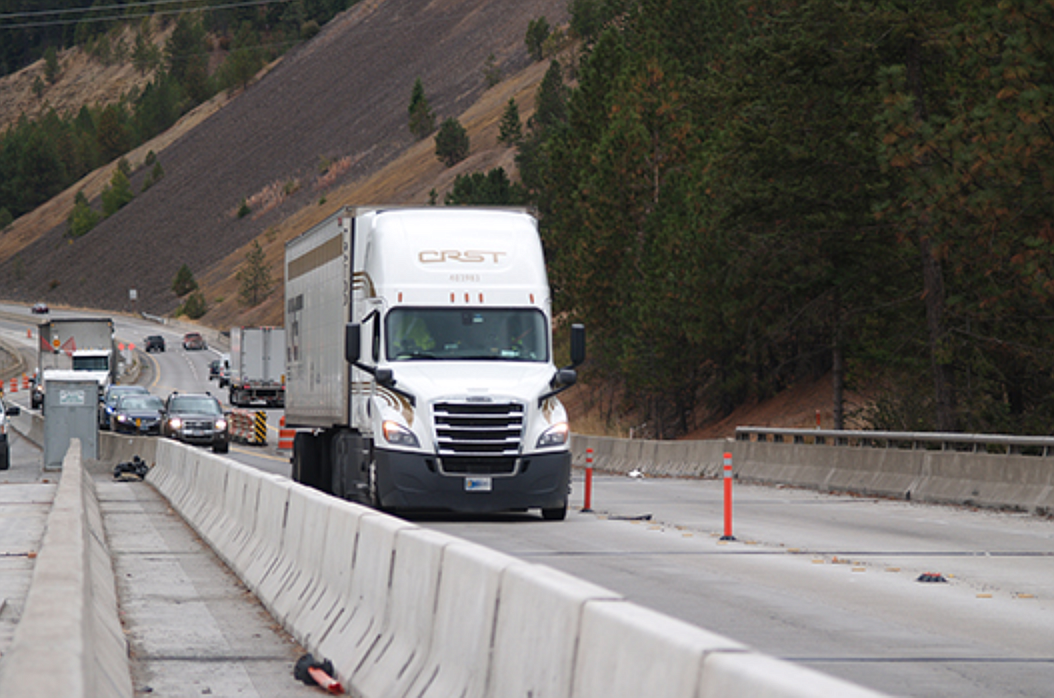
(961, 443)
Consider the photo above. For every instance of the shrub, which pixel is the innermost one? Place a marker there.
(491, 71)
(82, 218)
(195, 306)
(118, 194)
(452, 142)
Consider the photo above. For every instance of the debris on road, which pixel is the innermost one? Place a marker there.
(133, 471)
(311, 672)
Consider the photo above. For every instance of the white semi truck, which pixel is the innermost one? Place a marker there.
(419, 361)
(257, 366)
(75, 349)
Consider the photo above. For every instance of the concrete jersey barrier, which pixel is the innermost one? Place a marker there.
(405, 611)
(1013, 481)
(69, 640)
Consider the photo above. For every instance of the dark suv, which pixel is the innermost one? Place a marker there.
(196, 418)
(155, 342)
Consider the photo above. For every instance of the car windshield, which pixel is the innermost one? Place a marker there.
(503, 334)
(195, 405)
(116, 394)
(90, 363)
(140, 402)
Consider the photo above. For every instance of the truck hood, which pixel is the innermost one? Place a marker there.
(429, 380)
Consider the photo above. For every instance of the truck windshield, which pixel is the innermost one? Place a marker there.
(90, 363)
(502, 334)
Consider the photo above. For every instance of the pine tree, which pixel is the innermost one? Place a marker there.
(255, 276)
(184, 282)
(510, 132)
(422, 121)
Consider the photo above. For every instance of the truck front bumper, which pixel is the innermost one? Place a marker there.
(412, 481)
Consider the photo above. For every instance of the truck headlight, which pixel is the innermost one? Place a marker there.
(221, 424)
(398, 435)
(176, 423)
(555, 435)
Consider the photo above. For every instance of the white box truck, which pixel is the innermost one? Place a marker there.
(257, 366)
(75, 349)
(419, 361)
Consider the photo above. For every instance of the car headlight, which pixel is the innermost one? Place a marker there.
(175, 423)
(122, 418)
(221, 424)
(555, 435)
(399, 435)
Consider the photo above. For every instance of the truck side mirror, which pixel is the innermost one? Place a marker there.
(564, 378)
(578, 344)
(352, 342)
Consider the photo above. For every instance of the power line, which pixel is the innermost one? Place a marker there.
(126, 17)
(94, 8)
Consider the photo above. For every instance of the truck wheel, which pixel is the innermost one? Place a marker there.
(305, 458)
(555, 514)
(5, 456)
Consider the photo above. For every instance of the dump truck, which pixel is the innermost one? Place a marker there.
(74, 349)
(419, 361)
(257, 366)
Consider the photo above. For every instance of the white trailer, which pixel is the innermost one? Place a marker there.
(419, 361)
(75, 349)
(257, 366)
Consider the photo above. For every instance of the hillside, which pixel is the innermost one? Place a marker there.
(340, 98)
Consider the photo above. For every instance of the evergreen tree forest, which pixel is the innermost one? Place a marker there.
(737, 195)
(41, 157)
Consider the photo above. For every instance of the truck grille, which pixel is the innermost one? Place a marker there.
(478, 438)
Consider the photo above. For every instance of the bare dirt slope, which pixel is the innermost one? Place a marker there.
(343, 96)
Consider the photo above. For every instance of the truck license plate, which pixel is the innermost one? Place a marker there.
(477, 484)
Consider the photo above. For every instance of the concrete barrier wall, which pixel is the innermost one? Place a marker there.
(405, 611)
(1018, 482)
(993, 480)
(69, 640)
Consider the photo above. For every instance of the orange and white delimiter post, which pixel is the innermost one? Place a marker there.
(728, 498)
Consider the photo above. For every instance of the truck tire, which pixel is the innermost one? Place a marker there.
(5, 455)
(350, 479)
(305, 458)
